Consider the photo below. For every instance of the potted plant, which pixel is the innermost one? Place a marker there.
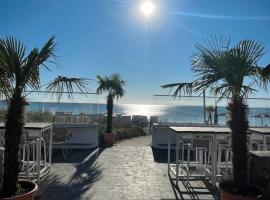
(231, 72)
(113, 85)
(21, 72)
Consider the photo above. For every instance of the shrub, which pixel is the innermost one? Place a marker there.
(128, 131)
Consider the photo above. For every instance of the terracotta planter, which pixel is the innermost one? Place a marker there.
(27, 196)
(109, 138)
(225, 195)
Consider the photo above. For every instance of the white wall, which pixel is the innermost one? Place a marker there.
(160, 135)
(84, 136)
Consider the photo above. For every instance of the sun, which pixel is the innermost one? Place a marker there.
(147, 8)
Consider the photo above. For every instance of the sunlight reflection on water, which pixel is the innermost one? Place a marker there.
(141, 109)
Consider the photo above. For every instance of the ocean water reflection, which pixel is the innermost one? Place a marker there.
(165, 113)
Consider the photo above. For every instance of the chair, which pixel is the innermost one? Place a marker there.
(185, 145)
(60, 138)
(202, 149)
(29, 155)
(198, 146)
(29, 159)
(224, 159)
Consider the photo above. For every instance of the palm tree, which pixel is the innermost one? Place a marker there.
(114, 87)
(232, 72)
(21, 72)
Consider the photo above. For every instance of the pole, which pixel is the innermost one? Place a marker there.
(204, 108)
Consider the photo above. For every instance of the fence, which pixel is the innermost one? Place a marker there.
(164, 107)
(191, 109)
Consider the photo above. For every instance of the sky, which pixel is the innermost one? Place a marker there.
(101, 37)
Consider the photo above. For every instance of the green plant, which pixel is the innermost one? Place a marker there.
(20, 72)
(39, 116)
(128, 131)
(114, 87)
(2, 115)
(231, 72)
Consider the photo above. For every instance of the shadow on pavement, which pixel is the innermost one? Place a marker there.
(72, 177)
(195, 189)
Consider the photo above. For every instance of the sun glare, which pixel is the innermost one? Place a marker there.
(147, 8)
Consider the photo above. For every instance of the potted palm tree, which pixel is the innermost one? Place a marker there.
(232, 72)
(21, 72)
(113, 85)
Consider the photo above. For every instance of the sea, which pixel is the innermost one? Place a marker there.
(165, 113)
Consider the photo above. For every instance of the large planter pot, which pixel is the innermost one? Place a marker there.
(109, 138)
(29, 186)
(226, 195)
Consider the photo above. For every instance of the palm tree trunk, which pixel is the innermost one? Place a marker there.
(109, 113)
(239, 127)
(14, 129)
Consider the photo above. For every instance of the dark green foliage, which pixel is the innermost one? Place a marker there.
(231, 72)
(123, 131)
(18, 73)
(39, 116)
(185, 88)
(3, 114)
(114, 87)
(66, 85)
(126, 132)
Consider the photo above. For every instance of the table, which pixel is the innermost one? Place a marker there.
(40, 129)
(198, 131)
(264, 132)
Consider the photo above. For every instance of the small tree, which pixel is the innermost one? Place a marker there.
(20, 72)
(114, 87)
(231, 72)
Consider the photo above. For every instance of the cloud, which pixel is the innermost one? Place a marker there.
(222, 17)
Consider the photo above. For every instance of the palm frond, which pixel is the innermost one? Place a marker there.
(113, 85)
(67, 85)
(247, 90)
(250, 52)
(35, 59)
(20, 70)
(263, 78)
(181, 88)
(224, 69)
(102, 84)
(12, 52)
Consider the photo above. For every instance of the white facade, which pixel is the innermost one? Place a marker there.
(84, 136)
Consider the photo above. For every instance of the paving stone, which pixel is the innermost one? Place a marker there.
(119, 172)
(126, 171)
